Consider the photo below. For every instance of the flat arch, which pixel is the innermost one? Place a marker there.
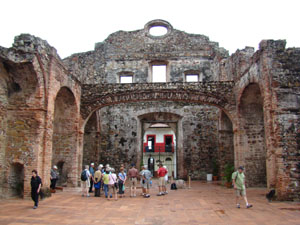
(225, 109)
(218, 94)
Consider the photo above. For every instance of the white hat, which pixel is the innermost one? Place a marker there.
(54, 167)
(92, 164)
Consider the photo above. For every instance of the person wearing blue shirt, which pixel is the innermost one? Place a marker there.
(122, 179)
(92, 172)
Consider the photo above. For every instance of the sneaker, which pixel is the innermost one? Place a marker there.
(238, 206)
(88, 196)
(163, 193)
(166, 193)
(249, 206)
(159, 194)
(147, 196)
(34, 207)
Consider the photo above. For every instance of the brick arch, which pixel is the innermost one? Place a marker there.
(225, 141)
(20, 93)
(219, 94)
(252, 152)
(65, 125)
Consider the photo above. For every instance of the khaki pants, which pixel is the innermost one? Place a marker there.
(112, 189)
(162, 182)
(133, 182)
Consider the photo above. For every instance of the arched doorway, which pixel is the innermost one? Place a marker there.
(226, 146)
(161, 139)
(19, 95)
(16, 180)
(64, 146)
(91, 140)
(159, 146)
(253, 135)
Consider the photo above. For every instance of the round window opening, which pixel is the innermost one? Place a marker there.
(158, 31)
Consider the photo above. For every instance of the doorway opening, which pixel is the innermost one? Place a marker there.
(159, 141)
(16, 180)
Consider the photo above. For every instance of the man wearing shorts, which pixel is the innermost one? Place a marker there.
(146, 176)
(162, 182)
(133, 174)
(86, 184)
(238, 180)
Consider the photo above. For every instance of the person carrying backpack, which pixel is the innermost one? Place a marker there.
(238, 181)
(85, 181)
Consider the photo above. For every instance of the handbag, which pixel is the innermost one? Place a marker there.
(97, 185)
(115, 183)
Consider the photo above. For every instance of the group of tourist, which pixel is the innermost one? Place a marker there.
(106, 179)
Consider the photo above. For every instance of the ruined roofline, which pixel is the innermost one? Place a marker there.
(27, 46)
(144, 34)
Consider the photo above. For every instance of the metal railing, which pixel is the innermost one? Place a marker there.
(167, 148)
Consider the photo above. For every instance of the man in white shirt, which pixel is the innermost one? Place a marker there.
(85, 184)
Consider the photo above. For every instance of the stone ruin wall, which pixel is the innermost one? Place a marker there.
(274, 70)
(254, 138)
(32, 74)
(286, 84)
(119, 139)
(133, 52)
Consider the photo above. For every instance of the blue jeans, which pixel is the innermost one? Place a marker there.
(106, 190)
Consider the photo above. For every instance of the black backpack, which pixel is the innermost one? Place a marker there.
(83, 176)
(173, 186)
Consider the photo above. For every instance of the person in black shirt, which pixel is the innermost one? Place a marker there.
(36, 184)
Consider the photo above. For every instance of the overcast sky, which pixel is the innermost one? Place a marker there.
(73, 26)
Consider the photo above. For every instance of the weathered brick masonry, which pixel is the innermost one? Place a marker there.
(244, 110)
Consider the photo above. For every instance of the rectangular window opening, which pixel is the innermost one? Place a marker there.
(159, 73)
(192, 77)
(126, 79)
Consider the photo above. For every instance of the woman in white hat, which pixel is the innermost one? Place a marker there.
(53, 178)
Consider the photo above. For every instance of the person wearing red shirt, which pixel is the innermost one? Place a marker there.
(162, 182)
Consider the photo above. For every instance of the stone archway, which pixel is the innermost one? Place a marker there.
(173, 127)
(225, 142)
(19, 124)
(252, 153)
(91, 140)
(64, 140)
